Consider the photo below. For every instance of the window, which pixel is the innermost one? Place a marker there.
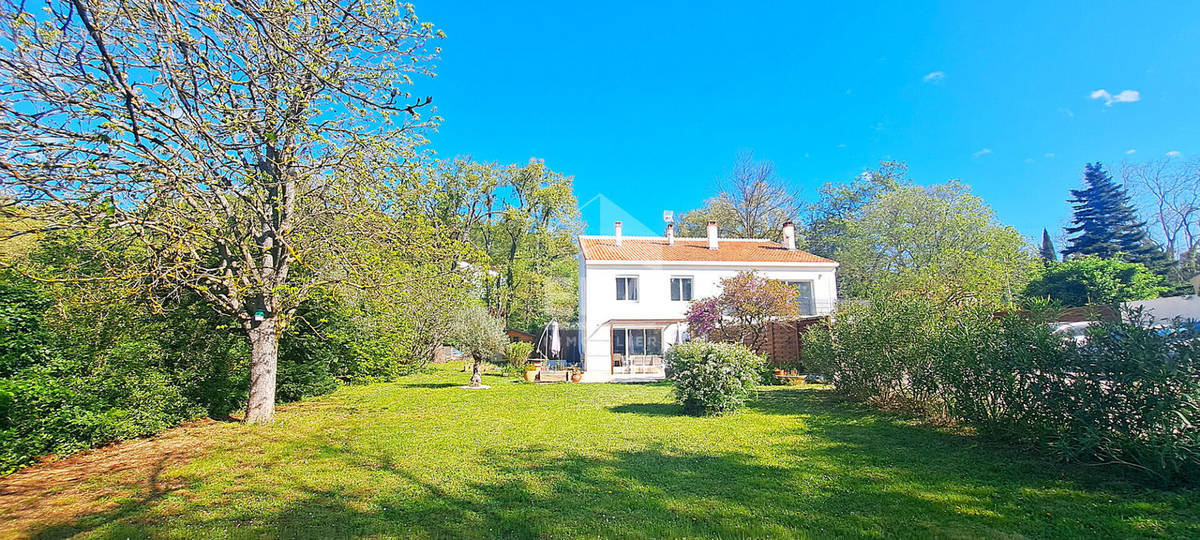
(637, 341)
(681, 289)
(804, 297)
(627, 288)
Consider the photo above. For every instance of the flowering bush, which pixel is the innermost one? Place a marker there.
(713, 378)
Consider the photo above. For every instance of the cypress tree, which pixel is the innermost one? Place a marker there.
(1048, 253)
(1105, 224)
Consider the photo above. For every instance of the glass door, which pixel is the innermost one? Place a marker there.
(637, 350)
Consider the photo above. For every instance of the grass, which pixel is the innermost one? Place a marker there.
(424, 458)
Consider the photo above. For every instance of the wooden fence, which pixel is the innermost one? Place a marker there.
(783, 345)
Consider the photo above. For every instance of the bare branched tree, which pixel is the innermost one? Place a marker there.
(1170, 191)
(752, 202)
(230, 143)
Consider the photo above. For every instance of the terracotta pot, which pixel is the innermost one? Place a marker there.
(530, 375)
(576, 377)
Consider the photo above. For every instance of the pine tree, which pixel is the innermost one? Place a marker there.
(1105, 224)
(1048, 253)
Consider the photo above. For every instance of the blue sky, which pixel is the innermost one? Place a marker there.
(647, 103)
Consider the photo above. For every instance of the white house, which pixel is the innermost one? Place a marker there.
(1164, 310)
(634, 291)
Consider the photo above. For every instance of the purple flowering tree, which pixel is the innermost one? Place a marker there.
(747, 303)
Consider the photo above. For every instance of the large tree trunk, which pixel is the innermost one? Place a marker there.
(476, 376)
(264, 358)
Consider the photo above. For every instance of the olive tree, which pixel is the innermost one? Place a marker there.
(226, 140)
(477, 333)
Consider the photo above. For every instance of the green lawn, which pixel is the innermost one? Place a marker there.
(423, 458)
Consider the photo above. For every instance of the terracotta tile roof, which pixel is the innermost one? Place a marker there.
(604, 248)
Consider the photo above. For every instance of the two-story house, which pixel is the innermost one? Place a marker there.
(634, 291)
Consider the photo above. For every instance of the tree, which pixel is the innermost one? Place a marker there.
(747, 303)
(232, 144)
(941, 240)
(1106, 224)
(1093, 280)
(1047, 252)
(839, 205)
(753, 202)
(1171, 188)
(524, 219)
(480, 335)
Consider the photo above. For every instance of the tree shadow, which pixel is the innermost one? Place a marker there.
(649, 409)
(842, 471)
(432, 385)
(155, 491)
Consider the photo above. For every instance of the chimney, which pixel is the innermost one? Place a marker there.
(712, 235)
(789, 236)
(617, 227)
(670, 234)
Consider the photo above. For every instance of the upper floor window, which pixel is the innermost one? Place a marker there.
(804, 297)
(627, 288)
(681, 289)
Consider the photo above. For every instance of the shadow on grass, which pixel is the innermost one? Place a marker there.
(155, 491)
(857, 473)
(649, 409)
(432, 385)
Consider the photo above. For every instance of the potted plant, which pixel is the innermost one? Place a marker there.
(576, 374)
(531, 373)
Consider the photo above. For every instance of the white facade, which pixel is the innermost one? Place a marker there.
(601, 312)
(1161, 311)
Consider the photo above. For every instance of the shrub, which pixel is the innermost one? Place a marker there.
(1129, 396)
(86, 373)
(517, 353)
(1134, 399)
(56, 409)
(1093, 280)
(22, 339)
(878, 352)
(713, 378)
(305, 367)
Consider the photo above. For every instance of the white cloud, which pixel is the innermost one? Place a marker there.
(1049, 154)
(935, 77)
(842, 145)
(1028, 160)
(1066, 111)
(1131, 151)
(983, 152)
(1174, 153)
(1125, 96)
